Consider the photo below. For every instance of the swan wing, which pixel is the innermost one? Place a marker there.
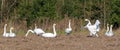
(38, 31)
(48, 35)
(97, 22)
(92, 29)
(6, 35)
(12, 35)
(111, 33)
(107, 33)
(89, 24)
(68, 30)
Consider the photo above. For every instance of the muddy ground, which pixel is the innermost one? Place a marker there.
(75, 41)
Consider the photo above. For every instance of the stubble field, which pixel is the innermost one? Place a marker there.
(76, 41)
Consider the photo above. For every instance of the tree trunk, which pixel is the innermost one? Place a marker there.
(84, 8)
(104, 14)
(2, 7)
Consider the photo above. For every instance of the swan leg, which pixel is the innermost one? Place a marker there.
(68, 34)
(97, 35)
(38, 34)
(90, 34)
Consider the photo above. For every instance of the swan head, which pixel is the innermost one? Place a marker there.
(54, 24)
(111, 26)
(5, 24)
(86, 19)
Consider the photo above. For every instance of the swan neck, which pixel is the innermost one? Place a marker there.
(35, 27)
(89, 23)
(69, 24)
(5, 29)
(54, 31)
(107, 28)
(28, 32)
(10, 30)
(110, 28)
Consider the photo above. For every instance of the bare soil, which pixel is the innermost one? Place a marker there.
(75, 41)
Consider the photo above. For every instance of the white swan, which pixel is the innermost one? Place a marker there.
(5, 34)
(28, 32)
(109, 32)
(93, 28)
(54, 34)
(69, 29)
(11, 33)
(97, 23)
(38, 31)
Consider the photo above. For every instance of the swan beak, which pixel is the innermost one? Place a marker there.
(86, 19)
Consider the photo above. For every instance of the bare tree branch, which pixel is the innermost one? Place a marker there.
(11, 6)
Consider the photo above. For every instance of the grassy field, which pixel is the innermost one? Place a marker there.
(75, 41)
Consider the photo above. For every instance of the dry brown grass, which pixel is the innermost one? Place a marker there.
(20, 27)
(75, 41)
(78, 40)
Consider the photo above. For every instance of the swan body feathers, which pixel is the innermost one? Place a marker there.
(54, 34)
